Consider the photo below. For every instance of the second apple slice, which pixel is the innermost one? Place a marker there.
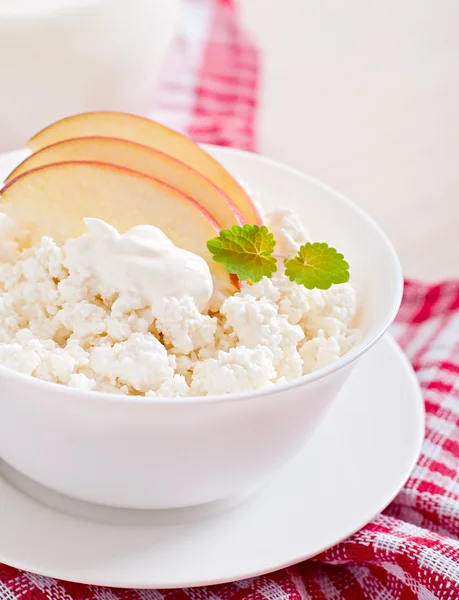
(53, 200)
(150, 133)
(146, 160)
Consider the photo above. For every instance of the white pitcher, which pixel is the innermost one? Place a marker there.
(59, 57)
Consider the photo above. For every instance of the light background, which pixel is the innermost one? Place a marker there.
(365, 96)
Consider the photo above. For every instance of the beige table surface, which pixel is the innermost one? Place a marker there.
(365, 96)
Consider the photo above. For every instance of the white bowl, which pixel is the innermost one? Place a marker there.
(141, 452)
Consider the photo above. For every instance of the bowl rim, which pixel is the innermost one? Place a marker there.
(345, 360)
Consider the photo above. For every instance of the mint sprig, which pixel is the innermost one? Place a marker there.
(248, 253)
(245, 251)
(317, 266)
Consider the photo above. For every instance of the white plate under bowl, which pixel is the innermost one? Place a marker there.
(352, 468)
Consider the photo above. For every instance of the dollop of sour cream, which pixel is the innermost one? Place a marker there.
(142, 261)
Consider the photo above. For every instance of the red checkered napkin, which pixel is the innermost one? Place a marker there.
(209, 87)
(412, 550)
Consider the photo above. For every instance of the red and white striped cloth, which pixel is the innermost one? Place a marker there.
(411, 552)
(209, 87)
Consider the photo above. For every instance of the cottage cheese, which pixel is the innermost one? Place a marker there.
(67, 320)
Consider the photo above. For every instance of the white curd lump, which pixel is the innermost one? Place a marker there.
(133, 314)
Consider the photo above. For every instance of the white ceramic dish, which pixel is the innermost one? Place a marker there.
(140, 452)
(353, 467)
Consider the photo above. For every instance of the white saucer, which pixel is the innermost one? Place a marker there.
(351, 470)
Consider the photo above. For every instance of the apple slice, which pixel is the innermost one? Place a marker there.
(53, 200)
(145, 160)
(149, 133)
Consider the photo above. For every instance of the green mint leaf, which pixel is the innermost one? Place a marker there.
(245, 251)
(317, 266)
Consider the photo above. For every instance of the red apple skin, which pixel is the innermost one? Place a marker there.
(208, 216)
